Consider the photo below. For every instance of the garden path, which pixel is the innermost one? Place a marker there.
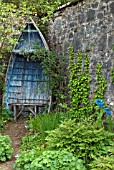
(16, 131)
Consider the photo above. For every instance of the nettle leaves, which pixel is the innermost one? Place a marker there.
(55, 160)
(5, 148)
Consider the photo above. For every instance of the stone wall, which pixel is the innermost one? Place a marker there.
(88, 25)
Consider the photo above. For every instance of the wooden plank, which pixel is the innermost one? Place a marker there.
(20, 112)
(30, 30)
(15, 112)
(50, 101)
(32, 111)
(28, 104)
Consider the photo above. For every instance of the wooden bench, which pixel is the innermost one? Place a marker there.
(18, 108)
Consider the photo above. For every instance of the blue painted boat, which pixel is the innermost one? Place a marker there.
(26, 84)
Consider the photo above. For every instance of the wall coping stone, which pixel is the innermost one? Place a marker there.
(74, 2)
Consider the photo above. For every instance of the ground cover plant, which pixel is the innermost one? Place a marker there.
(4, 117)
(5, 148)
(39, 160)
(85, 139)
(39, 126)
(25, 159)
(55, 160)
(30, 141)
(44, 122)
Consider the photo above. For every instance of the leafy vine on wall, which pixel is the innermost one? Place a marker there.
(55, 68)
(112, 75)
(79, 84)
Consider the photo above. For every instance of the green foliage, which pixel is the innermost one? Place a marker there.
(25, 159)
(42, 159)
(13, 16)
(41, 10)
(103, 162)
(38, 128)
(112, 75)
(79, 83)
(86, 139)
(13, 13)
(4, 117)
(55, 71)
(30, 141)
(5, 148)
(101, 83)
(55, 160)
(109, 123)
(45, 122)
(11, 22)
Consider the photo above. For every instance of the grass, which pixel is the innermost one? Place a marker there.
(47, 121)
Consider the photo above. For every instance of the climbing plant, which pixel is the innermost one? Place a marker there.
(11, 22)
(79, 84)
(112, 75)
(54, 67)
(41, 10)
(101, 83)
(13, 15)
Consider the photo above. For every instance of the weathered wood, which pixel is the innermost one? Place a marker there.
(32, 111)
(27, 104)
(18, 112)
(26, 84)
(15, 112)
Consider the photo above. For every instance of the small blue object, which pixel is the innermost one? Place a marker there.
(100, 103)
(107, 110)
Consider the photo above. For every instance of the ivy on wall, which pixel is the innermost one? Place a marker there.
(79, 84)
(101, 83)
(112, 75)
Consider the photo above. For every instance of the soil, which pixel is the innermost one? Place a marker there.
(16, 131)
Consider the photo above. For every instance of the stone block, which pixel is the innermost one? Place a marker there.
(90, 15)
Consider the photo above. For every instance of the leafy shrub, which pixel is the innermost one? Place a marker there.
(5, 148)
(85, 139)
(4, 117)
(45, 122)
(109, 123)
(30, 141)
(53, 160)
(103, 162)
(38, 127)
(25, 159)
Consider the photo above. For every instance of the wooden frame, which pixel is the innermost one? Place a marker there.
(31, 107)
